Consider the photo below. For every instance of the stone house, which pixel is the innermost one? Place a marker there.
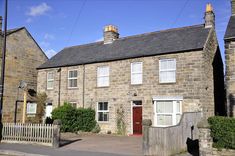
(23, 55)
(229, 41)
(157, 75)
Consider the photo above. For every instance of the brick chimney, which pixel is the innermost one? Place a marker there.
(233, 7)
(110, 34)
(0, 24)
(209, 16)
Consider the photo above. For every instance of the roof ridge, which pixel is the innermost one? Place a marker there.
(137, 35)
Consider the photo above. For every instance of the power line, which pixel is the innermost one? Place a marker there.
(181, 11)
(76, 21)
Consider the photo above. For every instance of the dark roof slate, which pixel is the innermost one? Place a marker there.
(230, 31)
(148, 44)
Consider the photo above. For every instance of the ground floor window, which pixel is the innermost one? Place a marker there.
(103, 111)
(167, 112)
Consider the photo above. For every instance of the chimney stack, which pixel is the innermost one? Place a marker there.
(209, 16)
(233, 7)
(110, 34)
(0, 24)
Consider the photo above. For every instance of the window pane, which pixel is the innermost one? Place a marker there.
(164, 119)
(164, 107)
(171, 64)
(178, 117)
(103, 116)
(50, 76)
(163, 76)
(170, 76)
(49, 84)
(163, 65)
(100, 106)
(105, 106)
(73, 83)
(73, 74)
(136, 79)
(137, 67)
(178, 106)
(103, 71)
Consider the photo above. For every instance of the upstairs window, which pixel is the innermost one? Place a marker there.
(50, 80)
(103, 111)
(136, 73)
(72, 79)
(167, 71)
(103, 76)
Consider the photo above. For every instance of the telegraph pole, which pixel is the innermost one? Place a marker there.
(3, 63)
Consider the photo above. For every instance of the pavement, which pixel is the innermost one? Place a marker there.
(90, 145)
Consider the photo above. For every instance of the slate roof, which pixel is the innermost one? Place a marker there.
(148, 44)
(230, 31)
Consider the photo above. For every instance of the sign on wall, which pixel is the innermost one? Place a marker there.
(31, 108)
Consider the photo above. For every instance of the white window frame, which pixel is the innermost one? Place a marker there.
(174, 113)
(166, 70)
(73, 104)
(50, 80)
(102, 111)
(102, 76)
(138, 72)
(72, 78)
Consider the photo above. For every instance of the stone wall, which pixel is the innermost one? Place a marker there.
(230, 76)
(23, 56)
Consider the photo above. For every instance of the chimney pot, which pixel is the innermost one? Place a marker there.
(233, 7)
(110, 34)
(209, 16)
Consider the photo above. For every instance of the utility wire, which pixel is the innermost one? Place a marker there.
(179, 14)
(76, 21)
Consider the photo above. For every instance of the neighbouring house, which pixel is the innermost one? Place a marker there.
(157, 75)
(229, 41)
(23, 55)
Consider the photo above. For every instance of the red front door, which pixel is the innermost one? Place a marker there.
(137, 120)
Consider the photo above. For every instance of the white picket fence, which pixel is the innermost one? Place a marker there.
(27, 133)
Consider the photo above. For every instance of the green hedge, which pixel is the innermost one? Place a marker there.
(81, 119)
(222, 131)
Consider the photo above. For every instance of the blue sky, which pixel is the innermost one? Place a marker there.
(56, 24)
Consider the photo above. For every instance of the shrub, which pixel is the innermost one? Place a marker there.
(81, 119)
(96, 129)
(223, 131)
(86, 119)
(68, 116)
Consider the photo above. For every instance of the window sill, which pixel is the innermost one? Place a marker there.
(166, 83)
(137, 84)
(103, 122)
(50, 89)
(103, 87)
(72, 88)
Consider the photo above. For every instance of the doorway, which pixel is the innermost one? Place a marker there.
(137, 117)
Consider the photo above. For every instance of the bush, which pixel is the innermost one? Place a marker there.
(68, 116)
(81, 119)
(223, 131)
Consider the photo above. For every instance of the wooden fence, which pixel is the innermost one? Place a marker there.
(164, 141)
(28, 133)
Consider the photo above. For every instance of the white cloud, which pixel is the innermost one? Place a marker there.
(38, 10)
(49, 36)
(50, 52)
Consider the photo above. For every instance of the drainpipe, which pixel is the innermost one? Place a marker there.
(83, 87)
(59, 70)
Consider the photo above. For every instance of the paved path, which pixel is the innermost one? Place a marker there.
(95, 145)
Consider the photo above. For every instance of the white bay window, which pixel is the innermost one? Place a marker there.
(167, 112)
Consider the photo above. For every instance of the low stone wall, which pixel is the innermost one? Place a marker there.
(165, 141)
(206, 141)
